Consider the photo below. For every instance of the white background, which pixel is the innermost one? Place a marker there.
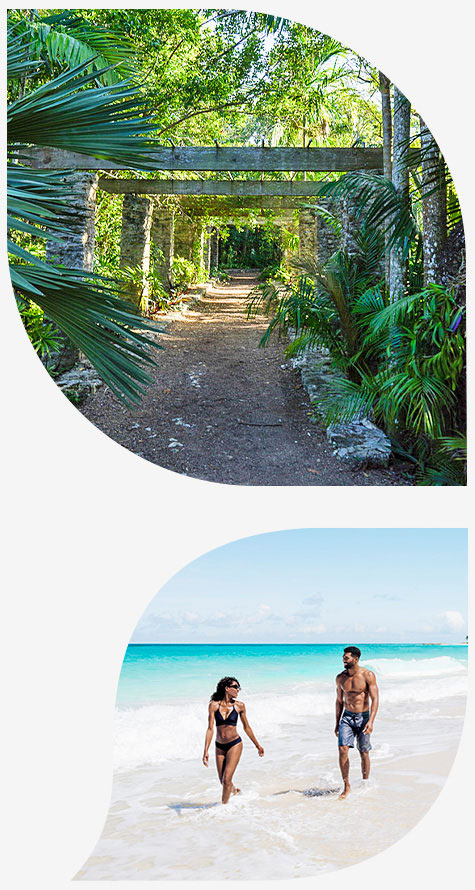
(91, 532)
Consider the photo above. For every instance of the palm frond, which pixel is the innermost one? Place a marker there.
(345, 400)
(91, 311)
(37, 202)
(68, 40)
(104, 122)
(19, 57)
(377, 204)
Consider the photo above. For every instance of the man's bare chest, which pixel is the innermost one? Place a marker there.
(355, 685)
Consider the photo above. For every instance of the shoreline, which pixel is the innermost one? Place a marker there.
(165, 821)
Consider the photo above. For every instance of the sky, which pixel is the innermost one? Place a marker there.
(318, 586)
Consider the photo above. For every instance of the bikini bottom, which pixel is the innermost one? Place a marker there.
(224, 747)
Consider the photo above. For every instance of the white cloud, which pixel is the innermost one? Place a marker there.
(315, 600)
(453, 620)
(314, 628)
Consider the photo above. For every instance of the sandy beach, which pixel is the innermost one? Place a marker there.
(166, 822)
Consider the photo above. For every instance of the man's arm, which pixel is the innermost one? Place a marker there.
(339, 703)
(374, 696)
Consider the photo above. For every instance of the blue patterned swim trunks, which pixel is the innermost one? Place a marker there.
(351, 725)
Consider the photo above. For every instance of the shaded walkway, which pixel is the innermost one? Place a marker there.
(223, 410)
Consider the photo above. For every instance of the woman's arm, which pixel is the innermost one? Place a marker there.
(248, 730)
(209, 731)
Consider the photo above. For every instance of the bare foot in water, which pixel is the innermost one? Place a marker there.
(236, 790)
(344, 793)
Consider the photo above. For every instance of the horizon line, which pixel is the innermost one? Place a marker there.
(292, 643)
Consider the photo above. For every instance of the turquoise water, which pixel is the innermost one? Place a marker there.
(154, 673)
(165, 821)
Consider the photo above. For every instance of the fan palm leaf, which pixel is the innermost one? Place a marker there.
(111, 122)
(91, 311)
(68, 40)
(104, 122)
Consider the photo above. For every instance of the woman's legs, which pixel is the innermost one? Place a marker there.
(220, 758)
(231, 760)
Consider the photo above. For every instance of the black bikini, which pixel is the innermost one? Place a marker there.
(230, 720)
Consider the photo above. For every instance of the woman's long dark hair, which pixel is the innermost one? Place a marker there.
(220, 692)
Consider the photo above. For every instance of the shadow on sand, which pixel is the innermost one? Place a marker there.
(311, 792)
(178, 807)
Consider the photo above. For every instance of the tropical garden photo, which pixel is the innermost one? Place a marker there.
(236, 247)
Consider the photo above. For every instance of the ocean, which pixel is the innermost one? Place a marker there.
(165, 820)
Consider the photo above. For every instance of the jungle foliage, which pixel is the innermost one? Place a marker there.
(115, 83)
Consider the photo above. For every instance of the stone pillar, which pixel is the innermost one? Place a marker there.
(207, 249)
(135, 242)
(199, 247)
(307, 236)
(162, 243)
(214, 250)
(349, 225)
(183, 237)
(76, 249)
(328, 239)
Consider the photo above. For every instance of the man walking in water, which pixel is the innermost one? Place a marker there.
(355, 686)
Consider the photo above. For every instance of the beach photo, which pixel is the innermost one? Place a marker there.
(236, 247)
(279, 690)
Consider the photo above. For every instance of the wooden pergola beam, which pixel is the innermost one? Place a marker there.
(201, 205)
(226, 187)
(206, 158)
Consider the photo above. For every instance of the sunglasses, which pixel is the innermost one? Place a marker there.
(233, 686)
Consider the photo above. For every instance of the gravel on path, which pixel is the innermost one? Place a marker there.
(223, 410)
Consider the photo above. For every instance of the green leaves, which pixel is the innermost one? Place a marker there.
(70, 112)
(105, 122)
(91, 311)
(67, 40)
(377, 205)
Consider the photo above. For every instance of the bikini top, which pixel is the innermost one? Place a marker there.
(231, 719)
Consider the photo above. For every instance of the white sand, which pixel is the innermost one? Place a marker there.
(166, 822)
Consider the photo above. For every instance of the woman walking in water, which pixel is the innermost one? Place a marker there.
(224, 710)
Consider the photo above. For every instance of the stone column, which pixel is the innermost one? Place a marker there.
(207, 249)
(135, 242)
(214, 250)
(183, 236)
(349, 225)
(162, 243)
(76, 249)
(328, 239)
(199, 247)
(307, 236)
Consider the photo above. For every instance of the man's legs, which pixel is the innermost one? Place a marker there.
(345, 770)
(365, 764)
(364, 747)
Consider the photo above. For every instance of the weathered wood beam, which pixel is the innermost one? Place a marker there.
(207, 158)
(201, 205)
(231, 188)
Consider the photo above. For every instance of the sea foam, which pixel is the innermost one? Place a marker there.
(159, 732)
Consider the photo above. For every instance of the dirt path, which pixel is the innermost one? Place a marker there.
(223, 410)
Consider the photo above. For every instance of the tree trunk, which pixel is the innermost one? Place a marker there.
(384, 87)
(434, 204)
(400, 177)
(385, 90)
